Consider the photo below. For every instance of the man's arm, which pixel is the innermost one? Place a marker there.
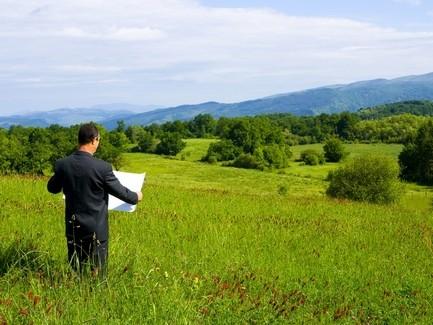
(55, 184)
(115, 188)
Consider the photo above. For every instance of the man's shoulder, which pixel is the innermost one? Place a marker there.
(87, 160)
(101, 163)
(62, 161)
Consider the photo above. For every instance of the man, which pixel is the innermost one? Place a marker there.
(86, 183)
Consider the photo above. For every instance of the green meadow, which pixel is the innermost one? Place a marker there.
(218, 245)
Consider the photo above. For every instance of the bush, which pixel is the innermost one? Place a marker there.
(366, 178)
(171, 144)
(276, 156)
(222, 151)
(211, 159)
(334, 150)
(247, 161)
(283, 189)
(312, 157)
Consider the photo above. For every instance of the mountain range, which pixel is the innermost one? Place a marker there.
(71, 116)
(328, 99)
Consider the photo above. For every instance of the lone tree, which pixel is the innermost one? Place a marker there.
(334, 150)
(171, 144)
(146, 141)
(416, 159)
(366, 178)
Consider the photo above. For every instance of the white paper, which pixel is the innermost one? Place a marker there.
(132, 181)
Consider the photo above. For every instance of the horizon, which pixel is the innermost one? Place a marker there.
(179, 52)
(149, 108)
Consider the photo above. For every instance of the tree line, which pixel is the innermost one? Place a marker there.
(249, 142)
(391, 123)
(32, 150)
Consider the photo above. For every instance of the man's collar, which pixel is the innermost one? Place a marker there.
(81, 152)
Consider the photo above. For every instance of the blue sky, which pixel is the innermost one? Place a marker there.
(402, 14)
(79, 53)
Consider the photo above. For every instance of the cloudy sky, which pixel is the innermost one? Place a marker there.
(75, 53)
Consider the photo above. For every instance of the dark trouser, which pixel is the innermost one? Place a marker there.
(88, 254)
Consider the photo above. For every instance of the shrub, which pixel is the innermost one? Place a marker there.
(222, 151)
(211, 159)
(283, 189)
(334, 150)
(366, 178)
(171, 144)
(276, 156)
(247, 161)
(312, 157)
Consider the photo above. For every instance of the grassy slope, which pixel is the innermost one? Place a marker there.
(220, 245)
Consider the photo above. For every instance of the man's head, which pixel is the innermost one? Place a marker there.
(88, 137)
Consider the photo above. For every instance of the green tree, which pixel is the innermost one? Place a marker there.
(203, 125)
(5, 163)
(39, 151)
(242, 135)
(132, 132)
(146, 141)
(409, 163)
(121, 126)
(222, 151)
(345, 125)
(334, 150)
(178, 127)
(171, 144)
(118, 140)
(107, 151)
(416, 159)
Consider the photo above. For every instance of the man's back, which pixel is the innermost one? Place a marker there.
(86, 183)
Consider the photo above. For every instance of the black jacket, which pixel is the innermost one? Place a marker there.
(86, 183)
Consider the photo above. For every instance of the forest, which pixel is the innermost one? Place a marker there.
(252, 142)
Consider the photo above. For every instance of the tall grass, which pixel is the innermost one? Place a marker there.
(213, 244)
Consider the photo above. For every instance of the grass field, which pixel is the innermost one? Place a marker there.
(212, 244)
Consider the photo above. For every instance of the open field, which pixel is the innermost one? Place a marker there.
(212, 244)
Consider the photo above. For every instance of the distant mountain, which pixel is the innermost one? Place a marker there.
(70, 116)
(328, 99)
(126, 107)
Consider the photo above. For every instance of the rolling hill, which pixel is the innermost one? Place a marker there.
(71, 116)
(328, 99)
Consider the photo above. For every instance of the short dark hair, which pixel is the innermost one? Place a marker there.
(87, 133)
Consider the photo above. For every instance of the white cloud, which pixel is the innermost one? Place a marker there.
(172, 42)
(88, 68)
(410, 2)
(112, 33)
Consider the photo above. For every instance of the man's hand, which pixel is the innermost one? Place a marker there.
(140, 195)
